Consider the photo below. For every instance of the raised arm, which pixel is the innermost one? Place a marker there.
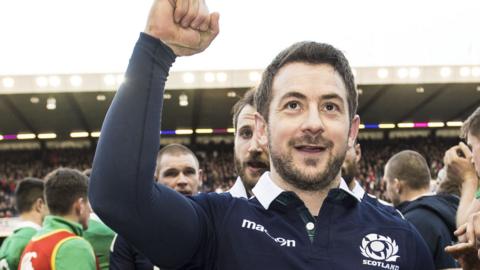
(165, 226)
(461, 167)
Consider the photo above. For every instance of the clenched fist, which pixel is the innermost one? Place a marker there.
(186, 26)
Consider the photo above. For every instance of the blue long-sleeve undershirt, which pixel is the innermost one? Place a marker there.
(167, 227)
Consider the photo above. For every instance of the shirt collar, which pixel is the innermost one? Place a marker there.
(266, 191)
(238, 189)
(358, 191)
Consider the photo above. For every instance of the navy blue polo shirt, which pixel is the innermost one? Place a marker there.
(272, 230)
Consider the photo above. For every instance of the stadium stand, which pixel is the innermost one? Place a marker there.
(216, 161)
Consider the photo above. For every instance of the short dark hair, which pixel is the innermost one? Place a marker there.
(452, 187)
(411, 167)
(27, 192)
(311, 53)
(63, 187)
(471, 125)
(176, 149)
(247, 99)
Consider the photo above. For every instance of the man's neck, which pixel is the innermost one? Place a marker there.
(411, 195)
(33, 217)
(352, 184)
(313, 200)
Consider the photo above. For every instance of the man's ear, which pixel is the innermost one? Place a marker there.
(358, 152)
(200, 176)
(39, 205)
(398, 185)
(79, 206)
(261, 131)
(353, 132)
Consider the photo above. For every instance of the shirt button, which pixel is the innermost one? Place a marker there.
(310, 226)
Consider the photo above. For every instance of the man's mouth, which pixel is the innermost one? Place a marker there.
(257, 165)
(185, 192)
(310, 148)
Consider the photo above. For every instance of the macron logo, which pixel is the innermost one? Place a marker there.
(247, 224)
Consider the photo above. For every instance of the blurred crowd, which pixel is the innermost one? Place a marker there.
(216, 161)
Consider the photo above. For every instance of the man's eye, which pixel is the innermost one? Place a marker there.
(330, 107)
(170, 174)
(189, 172)
(292, 105)
(246, 134)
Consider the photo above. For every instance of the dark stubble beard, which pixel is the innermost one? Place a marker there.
(284, 165)
(349, 171)
(241, 168)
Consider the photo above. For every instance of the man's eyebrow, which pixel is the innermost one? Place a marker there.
(169, 170)
(293, 94)
(331, 96)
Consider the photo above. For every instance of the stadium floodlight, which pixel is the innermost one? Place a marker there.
(435, 124)
(414, 72)
(95, 134)
(79, 134)
(26, 136)
(101, 97)
(54, 81)
(405, 125)
(8, 82)
(51, 103)
(1, 137)
(465, 71)
(109, 80)
(362, 126)
(188, 77)
(76, 80)
(254, 76)
(454, 123)
(41, 81)
(183, 100)
(382, 73)
(402, 73)
(221, 77)
(204, 131)
(119, 79)
(183, 131)
(230, 130)
(34, 100)
(420, 90)
(445, 72)
(231, 94)
(360, 91)
(386, 126)
(209, 77)
(476, 72)
(44, 136)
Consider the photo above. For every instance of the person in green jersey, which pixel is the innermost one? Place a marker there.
(30, 203)
(100, 237)
(59, 244)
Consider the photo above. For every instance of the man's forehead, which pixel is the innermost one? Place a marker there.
(179, 161)
(247, 114)
(472, 139)
(292, 75)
